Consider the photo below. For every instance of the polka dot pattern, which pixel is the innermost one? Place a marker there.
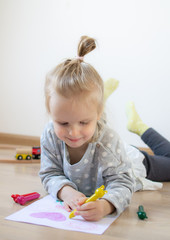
(104, 154)
(118, 151)
(86, 175)
(86, 161)
(103, 163)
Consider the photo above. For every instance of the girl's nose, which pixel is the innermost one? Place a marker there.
(74, 131)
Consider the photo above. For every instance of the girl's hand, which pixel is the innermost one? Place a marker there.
(94, 211)
(71, 197)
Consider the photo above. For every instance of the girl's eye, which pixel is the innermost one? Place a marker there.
(64, 123)
(84, 123)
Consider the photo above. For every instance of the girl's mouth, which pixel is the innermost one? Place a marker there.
(74, 140)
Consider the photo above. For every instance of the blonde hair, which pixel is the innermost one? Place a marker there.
(74, 76)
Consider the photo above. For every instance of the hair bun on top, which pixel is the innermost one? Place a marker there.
(86, 45)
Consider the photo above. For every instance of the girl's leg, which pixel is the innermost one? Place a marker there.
(109, 87)
(135, 124)
(157, 167)
(159, 145)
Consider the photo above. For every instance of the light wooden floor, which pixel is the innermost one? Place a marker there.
(23, 178)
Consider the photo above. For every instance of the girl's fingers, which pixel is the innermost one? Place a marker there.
(71, 205)
(85, 212)
(90, 211)
(86, 206)
(81, 201)
(67, 208)
(89, 216)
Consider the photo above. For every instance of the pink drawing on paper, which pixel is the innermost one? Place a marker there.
(53, 216)
(60, 207)
(45, 212)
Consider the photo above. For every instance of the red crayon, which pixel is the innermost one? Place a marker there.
(22, 199)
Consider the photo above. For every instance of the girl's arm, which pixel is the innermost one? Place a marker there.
(51, 171)
(116, 171)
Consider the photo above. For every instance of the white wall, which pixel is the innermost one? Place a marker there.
(133, 38)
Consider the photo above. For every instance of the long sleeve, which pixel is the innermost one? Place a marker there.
(116, 171)
(51, 171)
(119, 186)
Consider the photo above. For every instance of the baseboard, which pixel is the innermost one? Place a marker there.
(16, 139)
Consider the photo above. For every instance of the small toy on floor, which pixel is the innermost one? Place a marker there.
(28, 153)
(141, 213)
(22, 199)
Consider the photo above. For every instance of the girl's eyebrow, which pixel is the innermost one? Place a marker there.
(84, 120)
(59, 120)
(81, 120)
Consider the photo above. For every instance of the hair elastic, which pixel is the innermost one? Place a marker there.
(80, 58)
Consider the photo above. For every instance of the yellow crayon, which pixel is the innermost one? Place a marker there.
(100, 192)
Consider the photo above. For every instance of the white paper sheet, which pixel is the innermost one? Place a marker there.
(48, 212)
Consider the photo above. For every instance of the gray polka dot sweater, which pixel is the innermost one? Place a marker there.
(104, 163)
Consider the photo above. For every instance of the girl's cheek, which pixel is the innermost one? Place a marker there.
(91, 129)
(56, 130)
(59, 132)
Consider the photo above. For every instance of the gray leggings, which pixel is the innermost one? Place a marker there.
(158, 165)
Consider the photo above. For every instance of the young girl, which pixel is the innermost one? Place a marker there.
(79, 152)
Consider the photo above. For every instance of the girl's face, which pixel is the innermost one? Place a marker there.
(74, 119)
